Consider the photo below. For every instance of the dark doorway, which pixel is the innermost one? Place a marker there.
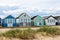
(57, 23)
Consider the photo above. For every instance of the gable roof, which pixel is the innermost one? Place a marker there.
(34, 17)
(49, 17)
(56, 17)
(20, 15)
(9, 17)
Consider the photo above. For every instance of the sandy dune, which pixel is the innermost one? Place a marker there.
(38, 36)
(47, 37)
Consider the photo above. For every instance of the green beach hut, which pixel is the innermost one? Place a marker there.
(37, 21)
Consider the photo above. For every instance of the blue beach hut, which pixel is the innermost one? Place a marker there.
(9, 21)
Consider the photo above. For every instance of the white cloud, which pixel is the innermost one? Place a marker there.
(42, 4)
(2, 16)
(31, 6)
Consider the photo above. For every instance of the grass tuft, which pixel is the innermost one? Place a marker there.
(23, 34)
(49, 30)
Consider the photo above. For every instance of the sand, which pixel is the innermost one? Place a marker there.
(38, 36)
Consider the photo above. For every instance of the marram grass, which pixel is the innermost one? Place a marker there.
(30, 34)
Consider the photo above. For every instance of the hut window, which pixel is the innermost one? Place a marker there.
(25, 15)
(9, 20)
(52, 20)
(39, 23)
(25, 20)
(5, 20)
(48, 20)
(17, 20)
(28, 20)
(21, 19)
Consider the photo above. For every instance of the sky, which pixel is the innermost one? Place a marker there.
(31, 7)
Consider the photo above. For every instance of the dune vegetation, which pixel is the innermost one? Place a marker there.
(30, 33)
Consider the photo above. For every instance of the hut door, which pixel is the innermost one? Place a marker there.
(24, 24)
(9, 24)
(38, 24)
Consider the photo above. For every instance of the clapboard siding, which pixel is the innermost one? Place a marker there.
(23, 20)
(37, 21)
(9, 21)
(50, 20)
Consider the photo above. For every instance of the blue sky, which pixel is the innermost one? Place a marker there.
(31, 7)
